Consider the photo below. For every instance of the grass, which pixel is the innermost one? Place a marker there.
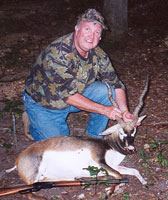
(160, 156)
(125, 196)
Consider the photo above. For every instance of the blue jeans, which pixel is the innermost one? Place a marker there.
(46, 123)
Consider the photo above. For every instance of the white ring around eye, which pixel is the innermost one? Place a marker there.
(133, 134)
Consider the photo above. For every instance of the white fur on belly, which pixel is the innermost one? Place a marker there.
(68, 165)
(65, 165)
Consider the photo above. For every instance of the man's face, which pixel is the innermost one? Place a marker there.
(87, 36)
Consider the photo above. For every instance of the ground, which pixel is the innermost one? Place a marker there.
(27, 27)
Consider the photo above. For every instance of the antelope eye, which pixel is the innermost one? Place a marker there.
(122, 135)
(121, 131)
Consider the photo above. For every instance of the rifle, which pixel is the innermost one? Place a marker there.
(24, 189)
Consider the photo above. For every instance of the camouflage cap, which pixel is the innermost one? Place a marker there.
(92, 15)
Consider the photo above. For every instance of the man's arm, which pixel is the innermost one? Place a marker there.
(121, 100)
(86, 104)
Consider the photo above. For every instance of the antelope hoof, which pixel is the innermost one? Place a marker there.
(144, 183)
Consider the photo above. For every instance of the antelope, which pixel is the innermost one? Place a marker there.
(65, 157)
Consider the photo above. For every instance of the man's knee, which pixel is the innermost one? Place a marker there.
(98, 92)
(99, 87)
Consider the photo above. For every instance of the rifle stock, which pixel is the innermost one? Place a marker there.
(24, 189)
(14, 190)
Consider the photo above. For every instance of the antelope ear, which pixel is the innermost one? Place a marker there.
(110, 130)
(141, 118)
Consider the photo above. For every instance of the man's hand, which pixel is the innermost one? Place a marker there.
(128, 117)
(111, 112)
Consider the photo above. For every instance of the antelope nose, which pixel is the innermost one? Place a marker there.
(130, 140)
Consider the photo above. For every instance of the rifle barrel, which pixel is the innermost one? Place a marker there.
(46, 185)
(90, 182)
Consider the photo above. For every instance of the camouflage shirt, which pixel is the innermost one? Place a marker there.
(60, 72)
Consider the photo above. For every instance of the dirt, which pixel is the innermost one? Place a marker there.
(27, 27)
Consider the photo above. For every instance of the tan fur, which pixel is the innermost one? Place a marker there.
(128, 128)
(26, 124)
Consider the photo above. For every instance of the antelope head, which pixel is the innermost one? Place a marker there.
(122, 135)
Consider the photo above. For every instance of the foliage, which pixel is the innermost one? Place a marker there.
(12, 106)
(55, 197)
(94, 171)
(154, 145)
(144, 158)
(160, 157)
(126, 196)
(6, 145)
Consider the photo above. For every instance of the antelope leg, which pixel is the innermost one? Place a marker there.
(131, 171)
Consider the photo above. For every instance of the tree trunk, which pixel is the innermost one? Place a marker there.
(116, 15)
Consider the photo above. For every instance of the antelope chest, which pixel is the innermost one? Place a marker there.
(113, 158)
(68, 165)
